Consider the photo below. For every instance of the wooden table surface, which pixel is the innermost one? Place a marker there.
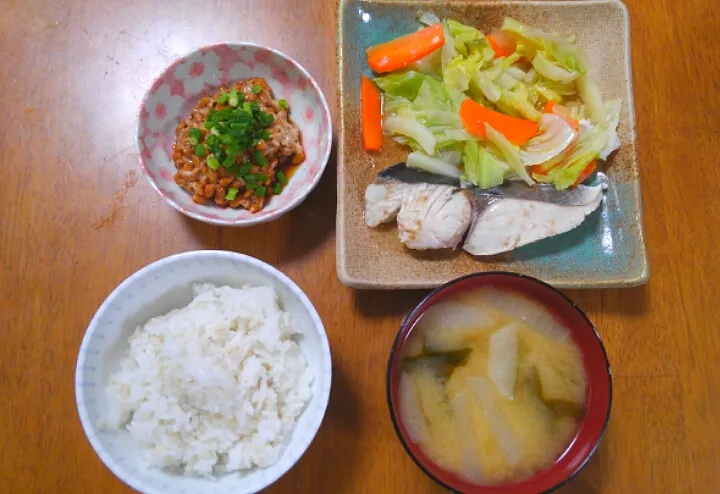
(76, 218)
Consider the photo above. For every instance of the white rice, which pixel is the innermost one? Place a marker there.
(214, 387)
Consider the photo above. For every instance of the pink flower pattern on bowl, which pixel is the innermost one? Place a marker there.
(175, 93)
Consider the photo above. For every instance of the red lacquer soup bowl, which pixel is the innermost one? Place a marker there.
(599, 385)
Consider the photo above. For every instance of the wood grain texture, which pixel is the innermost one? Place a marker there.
(71, 79)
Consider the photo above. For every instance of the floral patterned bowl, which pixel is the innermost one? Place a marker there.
(175, 93)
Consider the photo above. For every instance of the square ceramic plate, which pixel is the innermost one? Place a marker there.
(607, 250)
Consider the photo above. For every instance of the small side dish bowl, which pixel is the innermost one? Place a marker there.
(155, 290)
(175, 93)
(598, 394)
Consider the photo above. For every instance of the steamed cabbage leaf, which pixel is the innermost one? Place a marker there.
(481, 167)
(430, 164)
(434, 95)
(403, 84)
(411, 128)
(556, 49)
(470, 52)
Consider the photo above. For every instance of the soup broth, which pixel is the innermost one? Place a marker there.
(492, 386)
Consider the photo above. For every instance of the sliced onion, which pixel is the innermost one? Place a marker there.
(509, 152)
(555, 136)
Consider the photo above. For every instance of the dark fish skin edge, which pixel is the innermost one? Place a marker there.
(508, 190)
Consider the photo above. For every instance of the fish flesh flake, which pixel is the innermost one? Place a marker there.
(434, 217)
(383, 201)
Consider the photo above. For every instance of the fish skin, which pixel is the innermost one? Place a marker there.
(510, 189)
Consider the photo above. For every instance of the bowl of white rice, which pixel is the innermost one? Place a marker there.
(204, 372)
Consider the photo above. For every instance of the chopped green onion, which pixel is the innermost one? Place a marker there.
(233, 150)
(244, 169)
(234, 100)
(223, 114)
(231, 194)
(265, 118)
(260, 192)
(238, 132)
(228, 162)
(193, 141)
(213, 162)
(257, 89)
(223, 98)
(281, 178)
(283, 104)
(250, 186)
(277, 188)
(259, 158)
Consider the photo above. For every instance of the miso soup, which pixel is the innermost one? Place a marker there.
(492, 386)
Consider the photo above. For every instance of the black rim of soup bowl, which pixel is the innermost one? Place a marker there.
(404, 333)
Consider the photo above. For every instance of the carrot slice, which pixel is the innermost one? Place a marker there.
(538, 170)
(402, 51)
(586, 172)
(516, 130)
(561, 111)
(371, 115)
(500, 46)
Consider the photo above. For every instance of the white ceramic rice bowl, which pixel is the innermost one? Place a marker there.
(157, 289)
